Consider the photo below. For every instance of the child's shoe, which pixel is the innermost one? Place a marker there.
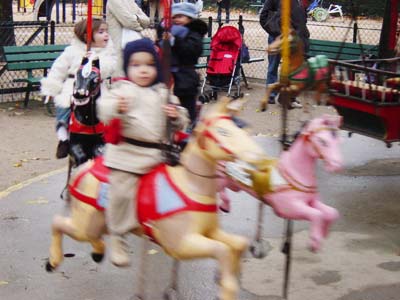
(119, 251)
(62, 149)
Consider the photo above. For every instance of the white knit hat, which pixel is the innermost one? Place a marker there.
(185, 8)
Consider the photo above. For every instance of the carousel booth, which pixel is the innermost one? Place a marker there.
(367, 92)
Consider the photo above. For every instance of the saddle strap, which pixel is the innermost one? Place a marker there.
(144, 144)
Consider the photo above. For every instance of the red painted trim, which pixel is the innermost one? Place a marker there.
(77, 127)
(78, 195)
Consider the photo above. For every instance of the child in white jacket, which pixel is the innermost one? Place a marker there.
(59, 82)
(140, 102)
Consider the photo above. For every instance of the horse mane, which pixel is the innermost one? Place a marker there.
(298, 132)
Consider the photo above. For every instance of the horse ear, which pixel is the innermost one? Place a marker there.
(332, 120)
(235, 106)
(339, 120)
(222, 105)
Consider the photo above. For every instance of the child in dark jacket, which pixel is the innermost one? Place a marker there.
(186, 47)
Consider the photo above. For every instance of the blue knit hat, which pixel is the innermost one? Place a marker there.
(185, 8)
(142, 45)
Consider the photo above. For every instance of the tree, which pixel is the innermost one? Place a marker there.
(6, 26)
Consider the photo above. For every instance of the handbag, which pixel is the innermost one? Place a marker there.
(129, 35)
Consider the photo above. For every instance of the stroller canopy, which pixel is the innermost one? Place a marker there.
(227, 38)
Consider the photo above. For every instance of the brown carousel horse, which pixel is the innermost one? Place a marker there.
(176, 206)
(311, 74)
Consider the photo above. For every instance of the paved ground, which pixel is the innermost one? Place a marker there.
(359, 261)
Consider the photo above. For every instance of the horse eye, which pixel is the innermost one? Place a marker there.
(222, 131)
(322, 142)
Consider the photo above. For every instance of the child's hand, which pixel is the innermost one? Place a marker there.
(171, 111)
(122, 105)
(166, 35)
(91, 54)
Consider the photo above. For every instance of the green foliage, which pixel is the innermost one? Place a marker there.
(370, 8)
(234, 3)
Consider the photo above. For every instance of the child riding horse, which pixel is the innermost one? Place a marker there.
(176, 206)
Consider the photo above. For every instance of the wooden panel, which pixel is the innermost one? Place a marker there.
(17, 66)
(32, 57)
(33, 49)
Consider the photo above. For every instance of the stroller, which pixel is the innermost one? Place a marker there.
(224, 65)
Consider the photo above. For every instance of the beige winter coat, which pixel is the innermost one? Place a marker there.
(145, 121)
(124, 14)
(58, 84)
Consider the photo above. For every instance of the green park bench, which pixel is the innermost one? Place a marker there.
(349, 51)
(26, 59)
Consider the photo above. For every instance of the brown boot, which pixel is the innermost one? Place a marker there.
(119, 251)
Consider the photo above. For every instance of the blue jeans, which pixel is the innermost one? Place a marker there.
(219, 13)
(62, 116)
(273, 65)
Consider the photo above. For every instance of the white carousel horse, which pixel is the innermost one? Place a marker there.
(176, 205)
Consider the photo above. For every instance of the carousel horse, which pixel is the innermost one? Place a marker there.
(86, 130)
(291, 188)
(311, 74)
(176, 206)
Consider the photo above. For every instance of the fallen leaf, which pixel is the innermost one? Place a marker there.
(2, 282)
(40, 200)
(24, 160)
(17, 165)
(35, 158)
(152, 252)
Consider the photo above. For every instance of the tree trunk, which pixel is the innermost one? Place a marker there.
(6, 25)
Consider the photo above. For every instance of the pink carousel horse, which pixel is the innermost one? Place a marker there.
(176, 206)
(292, 187)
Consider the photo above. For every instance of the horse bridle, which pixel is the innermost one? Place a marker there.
(293, 182)
(207, 134)
(316, 149)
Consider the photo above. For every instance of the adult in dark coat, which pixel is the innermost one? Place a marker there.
(226, 4)
(270, 20)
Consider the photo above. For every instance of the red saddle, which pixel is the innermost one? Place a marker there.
(157, 195)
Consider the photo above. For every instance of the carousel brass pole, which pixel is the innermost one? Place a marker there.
(285, 101)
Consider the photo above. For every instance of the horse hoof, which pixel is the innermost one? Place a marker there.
(171, 294)
(49, 267)
(136, 297)
(97, 257)
(259, 249)
(225, 210)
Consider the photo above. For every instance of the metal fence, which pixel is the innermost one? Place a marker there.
(336, 29)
